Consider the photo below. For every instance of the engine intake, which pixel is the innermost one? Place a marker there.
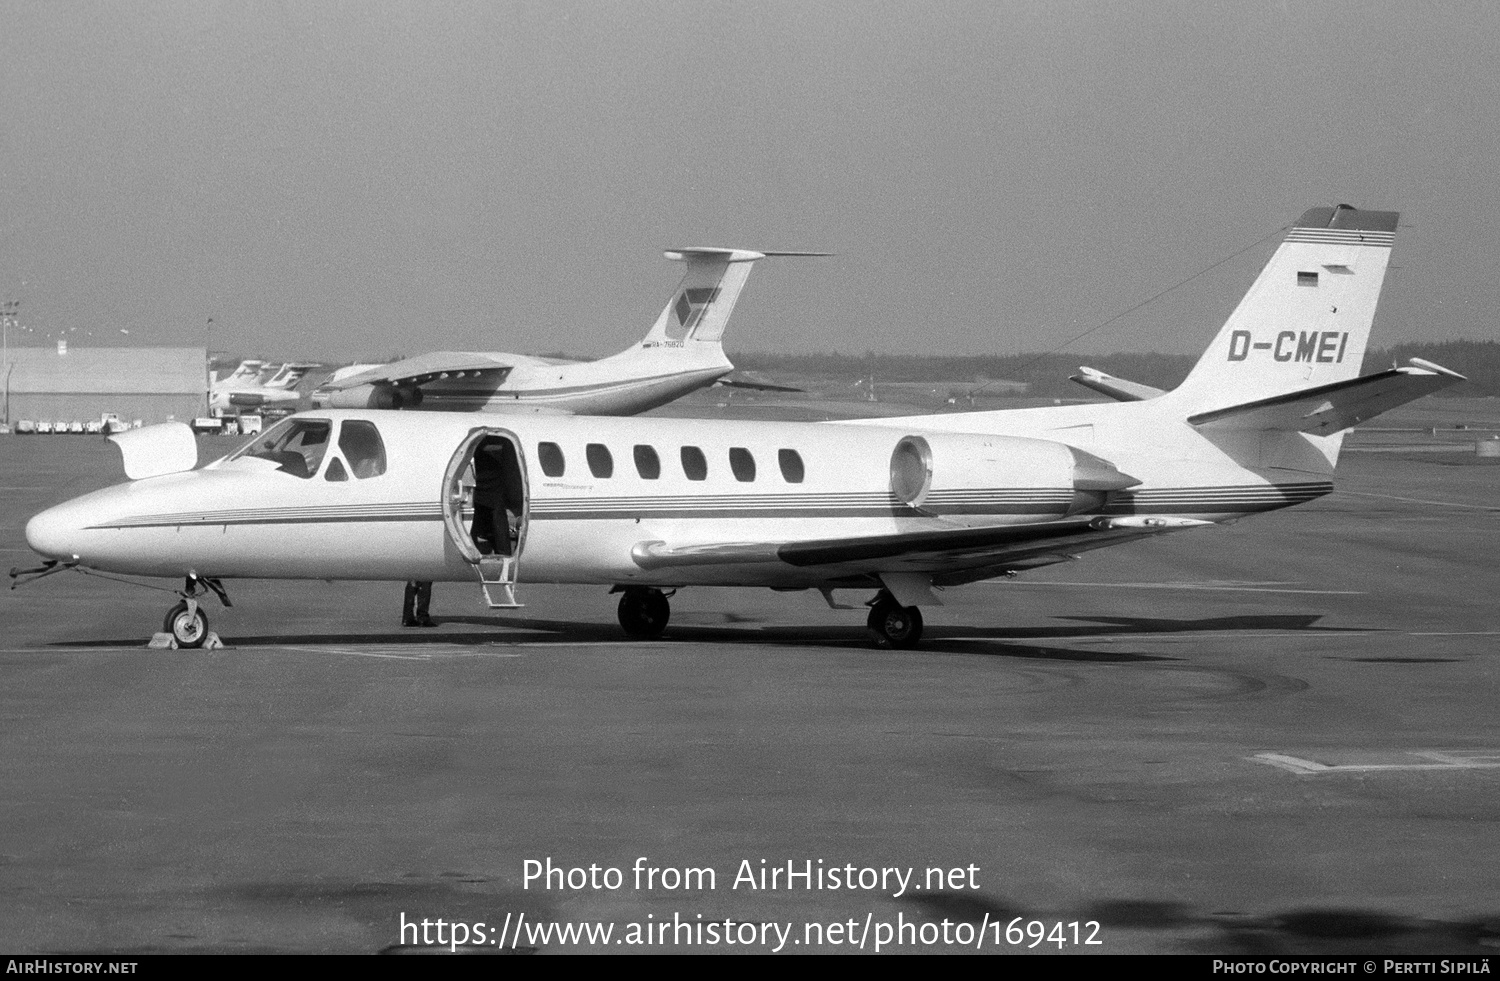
(376, 396)
(962, 475)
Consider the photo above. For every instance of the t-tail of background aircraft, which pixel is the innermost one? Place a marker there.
(896, 506)
(244, 391)
(682, 352)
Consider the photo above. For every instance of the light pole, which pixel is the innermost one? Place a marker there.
(9, 312)
(208, 374)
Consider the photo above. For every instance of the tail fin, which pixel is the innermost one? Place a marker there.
(1306, 320)
(699, 310)
(245, 371)
(290, 374)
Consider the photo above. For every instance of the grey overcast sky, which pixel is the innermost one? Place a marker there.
(346, 180)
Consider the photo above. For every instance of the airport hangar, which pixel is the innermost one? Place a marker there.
(152, 384)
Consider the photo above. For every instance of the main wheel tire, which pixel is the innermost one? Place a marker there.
(644, 612)
(188, 631)
(894, 625)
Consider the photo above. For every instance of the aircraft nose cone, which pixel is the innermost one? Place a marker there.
(54, 533)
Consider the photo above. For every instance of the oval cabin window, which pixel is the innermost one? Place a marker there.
(550, 456)
(601, 464)
(647, 463)
(791, 466)
(741, 464)
(694, 464)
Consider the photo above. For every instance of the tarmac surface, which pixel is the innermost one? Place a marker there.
(1275, 737)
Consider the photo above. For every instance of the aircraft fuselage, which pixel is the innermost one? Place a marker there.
(599, 492)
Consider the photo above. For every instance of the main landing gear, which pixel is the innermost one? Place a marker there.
(186, 622)
(644, 611)
(893, 625)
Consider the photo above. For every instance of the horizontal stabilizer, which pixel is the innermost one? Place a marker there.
(1329, 409)
(1116, 388)
(421, 369)
(743, 380)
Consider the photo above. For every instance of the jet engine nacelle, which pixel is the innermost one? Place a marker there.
(375, 396)
(960, 474)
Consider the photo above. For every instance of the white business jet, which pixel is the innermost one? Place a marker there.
(896, 506)
(682, 352)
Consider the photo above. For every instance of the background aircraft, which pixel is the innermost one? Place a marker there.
(894, 505)
(243, 391)
(683, 351)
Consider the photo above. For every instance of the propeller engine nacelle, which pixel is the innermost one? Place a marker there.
(376, 396)
(962, 475)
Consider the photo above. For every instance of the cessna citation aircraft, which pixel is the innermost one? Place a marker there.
(682, 352)
(647, 506)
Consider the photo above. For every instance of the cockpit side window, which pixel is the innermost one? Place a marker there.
(296, 446)
(362, 446)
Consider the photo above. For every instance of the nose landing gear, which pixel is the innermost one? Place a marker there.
(186, 622)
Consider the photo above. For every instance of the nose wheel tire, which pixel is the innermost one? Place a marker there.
(893, 625)
(644, 612)
(188, 629)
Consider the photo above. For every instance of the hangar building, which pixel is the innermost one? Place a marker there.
(152, 384)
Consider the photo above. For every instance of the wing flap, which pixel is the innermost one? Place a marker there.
(945, 550)
(1329, 409)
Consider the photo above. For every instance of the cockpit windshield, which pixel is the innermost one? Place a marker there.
(296, 446)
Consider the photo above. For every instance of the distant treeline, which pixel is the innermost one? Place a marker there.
(1047, 374)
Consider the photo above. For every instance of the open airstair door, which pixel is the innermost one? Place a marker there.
(485, 510)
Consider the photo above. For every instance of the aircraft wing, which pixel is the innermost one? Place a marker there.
(947, 554)
(422, 369)
(1116, 388)
(1328, 409)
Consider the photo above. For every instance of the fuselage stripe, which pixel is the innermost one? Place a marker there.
(1042, 503)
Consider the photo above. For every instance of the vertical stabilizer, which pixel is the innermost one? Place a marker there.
(1306, 320)
(699, 310)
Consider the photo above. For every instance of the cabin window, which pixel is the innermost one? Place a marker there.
(694, 464)
(601, 464)
(647, 463)
(791, 466)
(296, 446)
(335, 471)
(362, 446)
(741, 464)
(550, 456)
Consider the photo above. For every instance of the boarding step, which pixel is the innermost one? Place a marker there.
(497, 578)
